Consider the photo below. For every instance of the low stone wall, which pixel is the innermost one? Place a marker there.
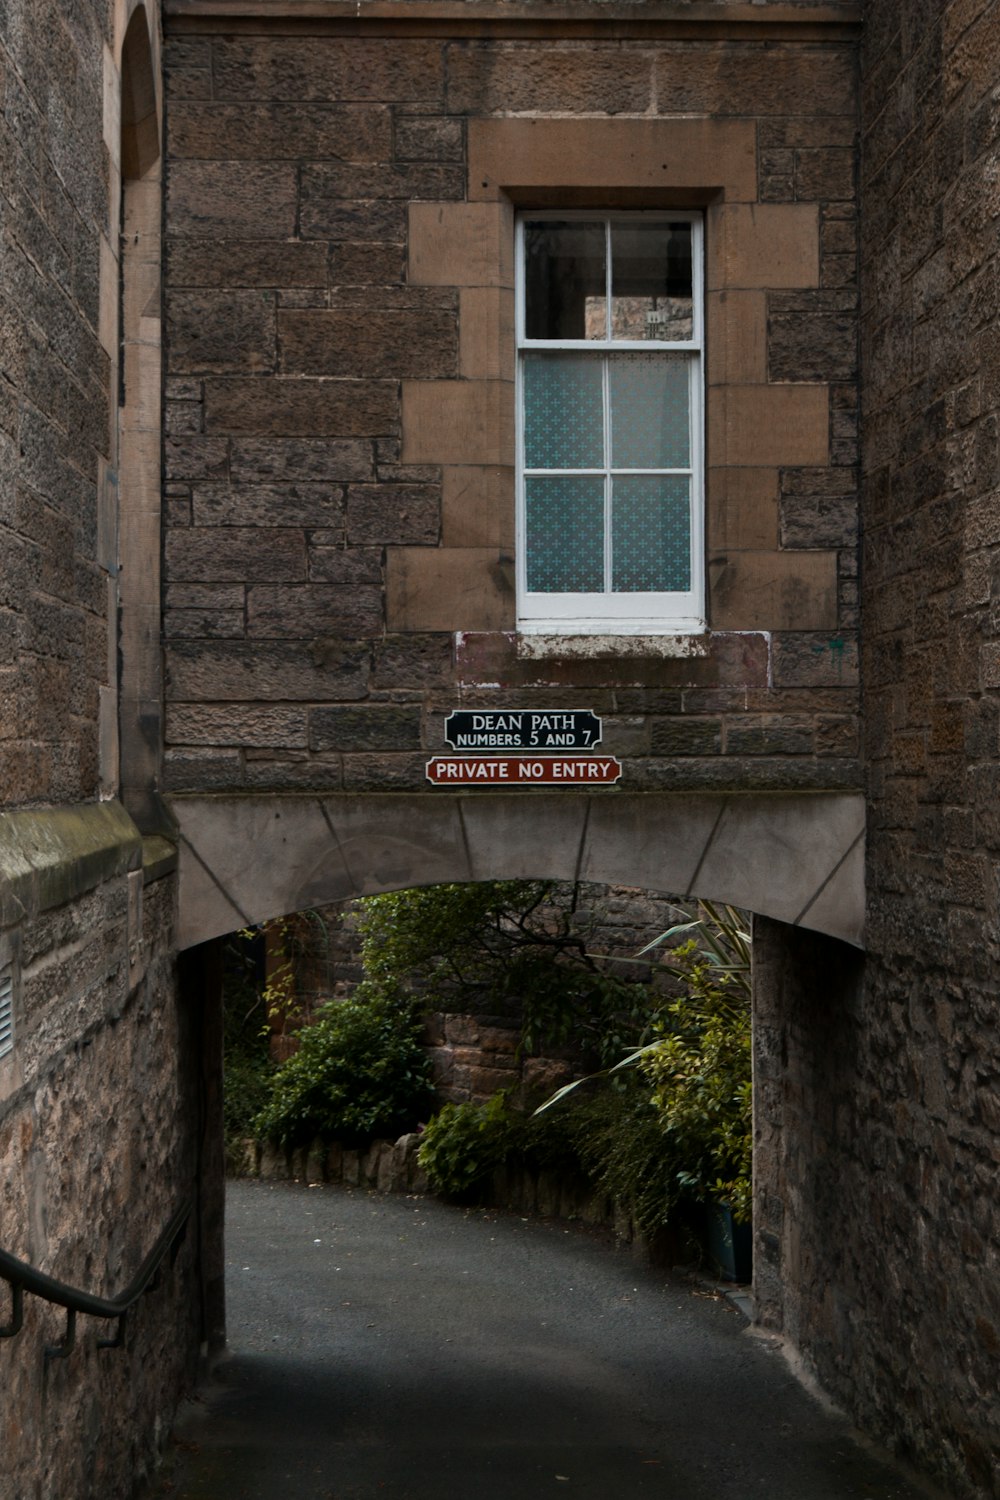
(98, 1114)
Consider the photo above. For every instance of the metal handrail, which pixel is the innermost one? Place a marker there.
(24, 1278)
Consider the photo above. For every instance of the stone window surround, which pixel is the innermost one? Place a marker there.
(753, 426)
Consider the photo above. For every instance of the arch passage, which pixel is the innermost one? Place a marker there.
(797, 857)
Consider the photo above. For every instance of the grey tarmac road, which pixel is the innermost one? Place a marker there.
(390, 1348)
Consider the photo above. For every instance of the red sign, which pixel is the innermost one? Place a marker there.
(523, 770)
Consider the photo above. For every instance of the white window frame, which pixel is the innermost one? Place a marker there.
(618, 613)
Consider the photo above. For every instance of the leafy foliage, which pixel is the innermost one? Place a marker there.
(359, 1071)
(464, 1144)
(689, 1126)
(249, 1068)
(508, 943)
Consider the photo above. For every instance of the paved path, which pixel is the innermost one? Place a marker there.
(399, 1349)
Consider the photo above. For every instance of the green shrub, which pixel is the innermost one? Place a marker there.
(360, 1071)
(464, 1144)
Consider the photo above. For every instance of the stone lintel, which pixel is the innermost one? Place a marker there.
(794, 856)
(51, 855)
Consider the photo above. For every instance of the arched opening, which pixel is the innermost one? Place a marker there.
(139, 424)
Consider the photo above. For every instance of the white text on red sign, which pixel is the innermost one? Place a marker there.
(523, 770)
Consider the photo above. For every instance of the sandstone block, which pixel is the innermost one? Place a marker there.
(736, 338)
(775, 736)
(824, 659)
(742, 509)
(266, 671)
(684, 736)
(343, 68)
(361, 264)
(819, 508)
(267, 505)
(244, 263)
(458, 422)
(449, 589)
(486, 335)
(764, 245)
(768, 426)
(477, 506)
(369, 341)
(774, 591)
(193, 456)
(248, 554)
(200, 624)
(269, 131)
(301, 408)
(365, 728)
(294, 612)
(221, 332)
(232, 200)
(432, 181)
(812, 339)
(393, 513)
(782, 80)
(275, 727)
(461, 244)
(404, 660)
(294, 460)
(325, 218)
(825, 174)
(344, 565)
(429, 138)
(632, 153)
(515, 78)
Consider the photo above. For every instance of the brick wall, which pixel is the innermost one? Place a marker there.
(339, 491)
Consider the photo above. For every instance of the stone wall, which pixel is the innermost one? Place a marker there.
(878, 1103)
(339, 454)
(98, 1142)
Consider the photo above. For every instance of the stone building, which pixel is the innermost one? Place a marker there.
(413, 460)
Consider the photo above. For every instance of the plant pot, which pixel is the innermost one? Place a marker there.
(729, 1245)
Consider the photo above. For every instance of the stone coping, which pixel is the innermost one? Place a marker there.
(640, 17)
(51, 855)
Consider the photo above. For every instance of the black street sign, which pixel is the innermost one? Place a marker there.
(522, 729)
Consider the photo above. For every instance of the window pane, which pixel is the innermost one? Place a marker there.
(565, 290)
(650, 418)
(651, 287)
(563, 412)
(650, 534)
(564, 535)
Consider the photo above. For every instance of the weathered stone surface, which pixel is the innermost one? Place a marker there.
(232, 200)
(818, 508)
(248, 554)
(344, 69)
(267, 505)
(428, 138)
(234, 724)
(239, 263)
(366, 342)
(569, 77)
(364, 728)
(265, 671)
(299, 611)
(267, 131)
(393, 513)
(339, 564)
(292, 460)
(301, 408)
(222, 332)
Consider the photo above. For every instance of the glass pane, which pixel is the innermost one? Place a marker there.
(563, 412)
(564, 535)
(650, 534)
(651, 286)
(565, 290)
(650, 418)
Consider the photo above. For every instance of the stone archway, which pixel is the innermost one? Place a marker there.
(795, 857)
